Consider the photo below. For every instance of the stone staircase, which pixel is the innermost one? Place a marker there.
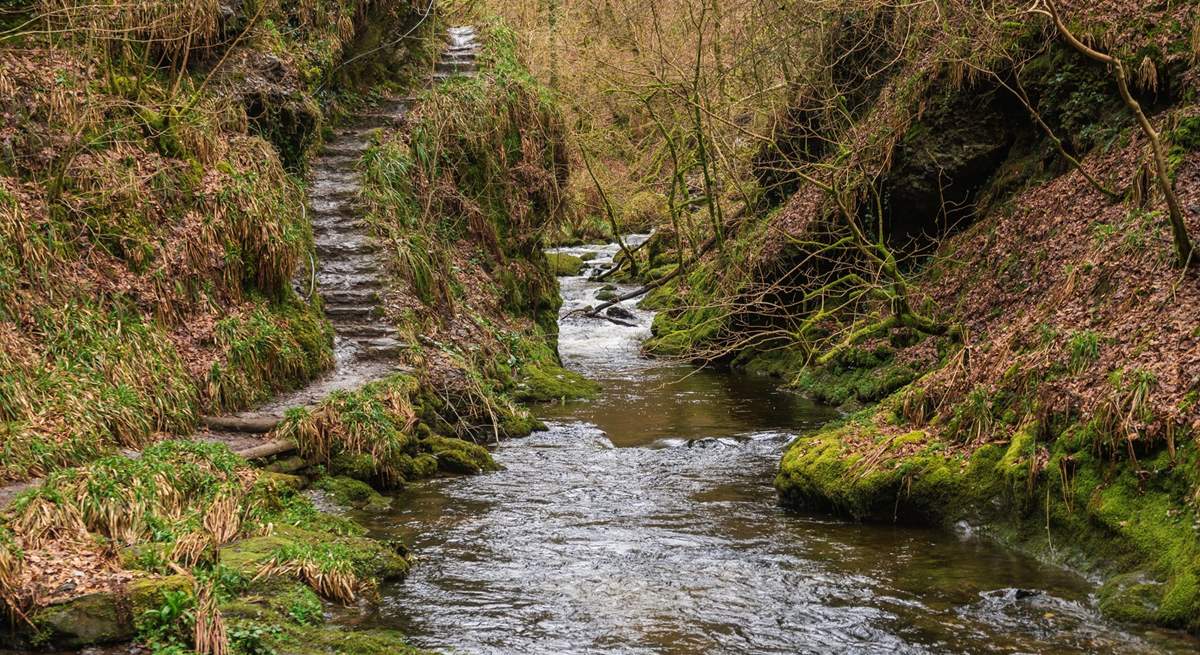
(349, 274)
(349, 270)
(459, 56)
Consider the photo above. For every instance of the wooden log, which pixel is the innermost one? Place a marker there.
(268, 449)
(257, 425)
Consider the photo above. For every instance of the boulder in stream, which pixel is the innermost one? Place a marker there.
(619, 312)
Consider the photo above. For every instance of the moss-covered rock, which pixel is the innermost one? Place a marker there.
(1078, 508)
(458, 456)
(337, 641)
(370, 558)
(1131, 597)
(99, 618)
(868, 481)
(350, 492)
(285, 616)
(552, 383)
(284, 480)
(564, 265)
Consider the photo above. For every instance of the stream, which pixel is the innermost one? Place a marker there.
(644, 521)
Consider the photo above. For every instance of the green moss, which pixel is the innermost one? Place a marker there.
(564, 265)
(854, 376)
(274, 348)
(1102, 515)
(370, 559)
(547, 383)
(350, 492)
(348, 642)
(458, 456)
(102, 617)
(285, 616)
(1131, 597)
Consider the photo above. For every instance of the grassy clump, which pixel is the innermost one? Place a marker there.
(387, 433)
(330, 569)
(184, 493)
(369, 433)
(271, 349)
(240, 534)
(184, 498)
(90, 380)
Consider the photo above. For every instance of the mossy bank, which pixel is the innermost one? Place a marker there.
(1008, 358)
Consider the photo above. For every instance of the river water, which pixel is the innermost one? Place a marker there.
(644, 521)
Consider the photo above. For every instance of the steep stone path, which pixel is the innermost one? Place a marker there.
(459, 57)
(349, 274)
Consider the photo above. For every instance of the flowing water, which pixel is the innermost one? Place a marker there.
(644, 521)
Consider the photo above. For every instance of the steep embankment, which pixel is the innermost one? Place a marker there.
(1025, 328)
(154, 218)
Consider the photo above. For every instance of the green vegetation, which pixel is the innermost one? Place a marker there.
(152, 217)
(565, 265)
(1056, 498)
(467, 236)
(181, 504)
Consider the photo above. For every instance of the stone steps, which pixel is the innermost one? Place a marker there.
(382, 347)
(350, 275)
(335, 282)
(348, 245)
(455, 66)
(458, 58)
(364, 265)
(379, 120)
(352, 297)
(353, 312)
(328, 226)
(363, 331)
(352, 145)
(329, 190)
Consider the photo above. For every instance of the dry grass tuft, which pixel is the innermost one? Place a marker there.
(191, 495)
(210, 637)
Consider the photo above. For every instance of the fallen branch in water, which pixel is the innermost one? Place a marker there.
(621, 264)
(647, 288)
(640, 291)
